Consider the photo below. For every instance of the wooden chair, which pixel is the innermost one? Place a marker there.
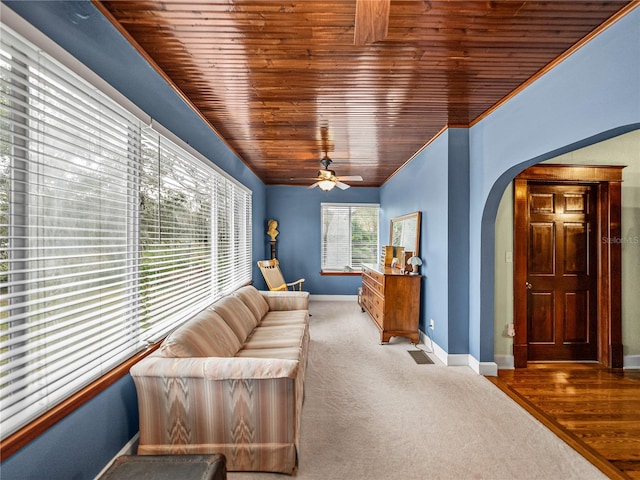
(273, 276)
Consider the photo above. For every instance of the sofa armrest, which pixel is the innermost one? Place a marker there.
(247, 408)
(216, 368)
(286, 300)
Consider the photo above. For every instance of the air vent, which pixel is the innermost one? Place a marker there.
(420, 357)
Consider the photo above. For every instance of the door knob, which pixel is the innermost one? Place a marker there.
(528, 285)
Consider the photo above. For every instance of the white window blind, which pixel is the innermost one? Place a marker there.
(349, 236)
(175, 235)
(233, 239)
(107, 237)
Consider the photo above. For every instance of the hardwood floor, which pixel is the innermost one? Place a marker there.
(593, 409)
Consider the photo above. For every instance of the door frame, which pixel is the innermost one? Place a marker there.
(608, 182)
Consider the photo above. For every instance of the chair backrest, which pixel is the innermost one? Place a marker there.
(272, 275)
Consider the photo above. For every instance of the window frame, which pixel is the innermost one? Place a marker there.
(351, 269)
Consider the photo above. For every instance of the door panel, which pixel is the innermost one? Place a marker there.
(575, 248)
(541, 317)
(541, 202)
(576, 308)
(542, 241)
(560, 277)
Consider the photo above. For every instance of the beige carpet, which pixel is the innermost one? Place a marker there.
(371, 412)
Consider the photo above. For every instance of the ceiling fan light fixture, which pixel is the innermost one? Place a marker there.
(326, 185)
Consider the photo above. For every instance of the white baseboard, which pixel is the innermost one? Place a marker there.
(334, 298)
(489, 369)
(504, 362)
(435, 348)
(486, 369)
(129, 448)
(631, 362)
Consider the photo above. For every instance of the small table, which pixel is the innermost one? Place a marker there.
(167, 467)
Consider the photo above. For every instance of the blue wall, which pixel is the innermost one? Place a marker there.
(79, 446)
(422, 185)
(436, 183)
(592, 95)
(297, 210)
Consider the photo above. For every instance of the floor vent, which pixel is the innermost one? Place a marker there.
(420, 357)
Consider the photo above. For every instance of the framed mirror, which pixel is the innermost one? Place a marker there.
(405, 232)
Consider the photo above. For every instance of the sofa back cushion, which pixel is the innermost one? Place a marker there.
(205, 335)
(237, 315)
(252, 298)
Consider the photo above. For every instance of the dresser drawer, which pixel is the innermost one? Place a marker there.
(377, 314)
(377, 277)
(377, 302)
(369, 282)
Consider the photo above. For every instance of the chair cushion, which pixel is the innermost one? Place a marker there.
(205, 335)
(252, 298)
(237, 315)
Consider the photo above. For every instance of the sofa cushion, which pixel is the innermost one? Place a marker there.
(252, 298)
(282, 318)
(285, 353)
(276, 337)
(237, 315)
(286, 300)
(205, 335)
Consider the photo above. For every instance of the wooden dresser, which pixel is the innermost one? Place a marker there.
(392, 300)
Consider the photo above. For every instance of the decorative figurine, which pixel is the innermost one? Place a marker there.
(272, 229)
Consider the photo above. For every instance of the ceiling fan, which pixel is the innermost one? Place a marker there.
(327, 179)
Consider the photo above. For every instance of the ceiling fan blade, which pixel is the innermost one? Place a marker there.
(314, 185)
(342, 186)
(351, 178)
(372, 21)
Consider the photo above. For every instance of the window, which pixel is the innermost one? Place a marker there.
(111, 232)
(349, 236)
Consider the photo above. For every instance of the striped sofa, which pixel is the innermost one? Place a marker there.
(229, 381)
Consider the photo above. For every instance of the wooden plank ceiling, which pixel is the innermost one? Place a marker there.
(283, 81)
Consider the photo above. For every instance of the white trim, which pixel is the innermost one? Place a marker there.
(129, 449)
(458, 360)
(438, 351)
(487, 369)
(334, 298)
(461, 359)
(504, 362)
(631, 362)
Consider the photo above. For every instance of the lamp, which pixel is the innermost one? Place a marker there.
(326, 185)
(415, 262)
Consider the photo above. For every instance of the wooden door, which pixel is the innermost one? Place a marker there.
(561, 273)
(579, 212)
